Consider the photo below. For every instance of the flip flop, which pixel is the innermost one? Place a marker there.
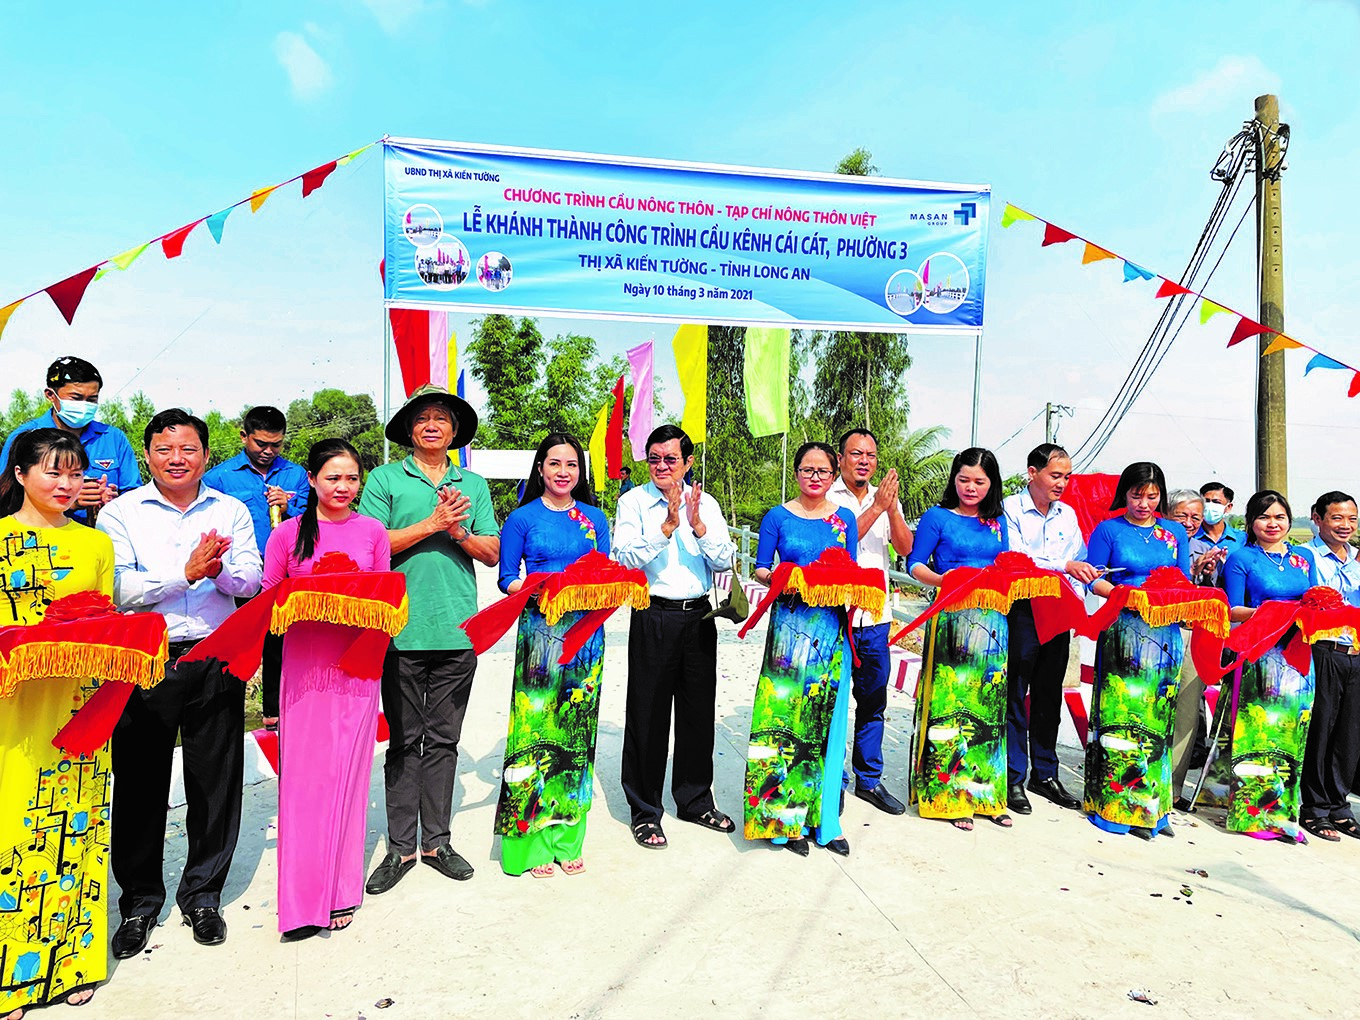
(575, 867)
(643, 833)
(712, 819)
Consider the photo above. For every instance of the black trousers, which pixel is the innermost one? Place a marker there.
(1037, 669)
(206, 708)
(271, 667)
(1333, 750)
(672, 659)
(425, 697)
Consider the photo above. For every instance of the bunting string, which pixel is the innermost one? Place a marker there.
(1244, 329)
(67, 294)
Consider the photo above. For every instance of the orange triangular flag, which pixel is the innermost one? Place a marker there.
(1095, 254)
(258, 196)
(1170, 289)
(1281, 343)
(6, 312)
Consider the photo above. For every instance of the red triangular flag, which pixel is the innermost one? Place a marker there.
(613, 437)
(1245, 330)
(173, 243)
(1055, 235)
(1170, 288)
(382, 270)
(66, 294)
(411, 335)
(1355, 385)
(313, 179)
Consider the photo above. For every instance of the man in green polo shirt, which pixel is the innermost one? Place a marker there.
(439, 519)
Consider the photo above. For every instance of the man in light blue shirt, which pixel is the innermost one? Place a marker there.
(1046, 530)
(678, 539)
(1211, 545)
(1333, 752)
(73, 386)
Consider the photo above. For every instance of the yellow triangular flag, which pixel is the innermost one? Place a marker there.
(357, 152)
(1095, 254)
(1013, 213)
(103, 272)
(258, 196)
(125, 259)
(1280, 343)
(599, 476)
(6, 312)
(1208, 309)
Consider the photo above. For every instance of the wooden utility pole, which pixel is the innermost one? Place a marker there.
(1272, 468)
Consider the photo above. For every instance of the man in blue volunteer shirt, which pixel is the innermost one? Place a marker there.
(73, 386)
(263, 481)
(1216, 538)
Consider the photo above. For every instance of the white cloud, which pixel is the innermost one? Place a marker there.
(393, 15)
(1232, 78)
(308, 73)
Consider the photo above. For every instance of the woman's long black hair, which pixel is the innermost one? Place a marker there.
(309, 526)
(31, 448)
(1135, 476)
(534, 487)
(989, 509)
(1258, 505)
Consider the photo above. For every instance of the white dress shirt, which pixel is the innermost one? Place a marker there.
(679, 567)
(874, 544)
(1050, 540)
(153, 540)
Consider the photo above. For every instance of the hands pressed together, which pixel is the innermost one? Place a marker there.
(677, 502)
(206, 559)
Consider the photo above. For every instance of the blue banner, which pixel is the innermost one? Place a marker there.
(524, 232)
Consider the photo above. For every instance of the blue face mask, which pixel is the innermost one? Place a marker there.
(77, 413)
(1213, 513)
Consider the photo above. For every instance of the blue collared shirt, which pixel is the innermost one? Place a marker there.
(237, 477)
(109, 451)
(1334, 572)
(1200, 543)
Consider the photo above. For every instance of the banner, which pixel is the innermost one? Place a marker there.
(519, 231)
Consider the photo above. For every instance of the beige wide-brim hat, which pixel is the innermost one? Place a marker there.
(398, 430)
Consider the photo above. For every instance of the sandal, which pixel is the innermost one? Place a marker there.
(962, 824)
(543, 871)
(713, 819)
(1004, 820)
(575, 867)
(1346, 826)
(340, 919)
(649, 835)
(270, 723)
(1322, 828)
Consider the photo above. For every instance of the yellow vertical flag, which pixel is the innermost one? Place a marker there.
(691, 362)
(598, 474)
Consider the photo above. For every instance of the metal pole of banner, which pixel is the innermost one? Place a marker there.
(977, 384)
(703, 467)
(784, 473)
(387, 383)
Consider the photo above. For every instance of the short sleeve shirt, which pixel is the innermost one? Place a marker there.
(440, 582)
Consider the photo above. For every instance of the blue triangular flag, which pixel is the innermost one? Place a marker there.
(1132, 272)
(1322, 361)
(216, 221)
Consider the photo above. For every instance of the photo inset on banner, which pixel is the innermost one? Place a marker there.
(493, 271)
(904, 292)
(945, 279)
(422, 225)
(444, 265)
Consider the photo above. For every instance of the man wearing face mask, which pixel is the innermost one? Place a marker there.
(73, 386)
(1216, 538)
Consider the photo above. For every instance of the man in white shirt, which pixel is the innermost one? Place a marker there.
(678, 539)
(1046, 530)
(187, 552)
(881, 523)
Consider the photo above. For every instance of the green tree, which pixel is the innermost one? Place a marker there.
(859, 163)
(331, 414)
(132, 421)
(505, 357)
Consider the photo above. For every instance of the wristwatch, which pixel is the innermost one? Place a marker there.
(466, 535)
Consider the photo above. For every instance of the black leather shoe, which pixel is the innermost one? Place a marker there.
(449, 863)
(387, 874)
(209, 928)
(1053, 790)
(132, 935)
(798, 846)
(840, 846)
(880, 798)
(1016, 799)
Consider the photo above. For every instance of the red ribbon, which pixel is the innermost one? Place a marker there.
(1318, 610)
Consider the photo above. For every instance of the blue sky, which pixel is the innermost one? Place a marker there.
(125, 121)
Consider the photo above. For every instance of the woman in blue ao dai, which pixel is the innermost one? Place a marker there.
(1262, 728)
(1128, 785)
(548, 778)
(959, 766)
(796, 756)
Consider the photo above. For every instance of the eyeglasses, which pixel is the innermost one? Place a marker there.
(816, 472)
(670, 460)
